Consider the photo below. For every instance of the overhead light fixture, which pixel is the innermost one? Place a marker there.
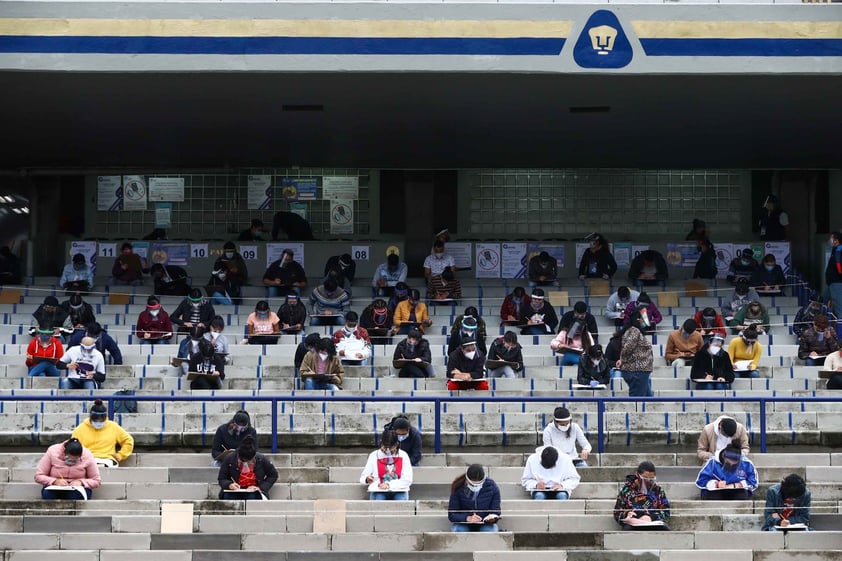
(25, 210)
(17, 211)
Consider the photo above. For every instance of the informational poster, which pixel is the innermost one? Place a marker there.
(163, 215)
(166, 189)
(199, 251)
(342, 216)
(637, 249)
(299, 188)
(513, 256)
(781, 251)
(135, 192)
(274, 251)
(299, 208)
(168, 253)
(86, 248)
(248, 252)
(487, 264)
(724, 254)
(259, 192)
(360, 252)
(461, 253)
(623, 254)
(340, 188)
(555, 250)
(109, 192)
(682, 254)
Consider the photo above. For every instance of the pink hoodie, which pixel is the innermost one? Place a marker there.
(52, 467)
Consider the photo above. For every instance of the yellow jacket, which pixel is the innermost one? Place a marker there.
(103, 442)
(738, 350)
(402, 311)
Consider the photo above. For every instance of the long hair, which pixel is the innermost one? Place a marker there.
(475, 472)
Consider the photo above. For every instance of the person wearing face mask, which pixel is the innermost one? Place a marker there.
(229, 436)
(221, 288)
(593, 368)
(597, 261)
(438, 261)
(254, 232)
(400, 294)
(85, 367)
(169, 280)
(549, 475)
(774, 222)
(576, 334)
(720, 433)
(263, 326)
(416, 349)
(787, 502)
(377, 319)
(542, 270)
(833, 363)
(754, 314)
(247, 474)
(833, 273)
(466, 368)
(321, 369)
(210, 365)
(817, 342)
(408, 436)
(343, 269)
(219, 341)
(470, 325)
(683, 344)
(642, 501)
(538, 314)
(445, 287)
(745, 352)
(636, 358)
(284, 276)
(506, 349)
(649, 313)
(67, 464)
(128, 267)
(108, 442)
(411, 313)
(80, 312)
(352, 342)
(739, 299)
(564, 435)
(388, 469)
(194, 310)
(292, 314)
(709, 322)
(153, 324)
(329, 303)
(806, 315)
(769, 279)
(307, 345)
(50, 315)
(236, 271)
(103, 341)
(648, 268)
(615, 307)
(189, 347)
(512, 305)
(705, 267)
(43, 353)
(388, 275)
(712, 368)
(474, 504)
(728, 475)
(742, 267)
(77, 277)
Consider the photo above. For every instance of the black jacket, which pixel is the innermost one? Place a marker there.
(833, 271)
(706, 265)
(456, 342)
(291, 224)
(422, 351)
(293, 315)
(334, 269)
(587, 371)
(458, 360)
(226, 439)
(463, 502)
(718, 366)
(637, 263)
(536, 270)
(548, 311)
(602, 261)
(83, 316)
(498, 351)
(266, 473)
(182, 313)
(177, 285)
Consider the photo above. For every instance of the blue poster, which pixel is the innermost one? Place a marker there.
(682, 254)
(170, 253)
(555, 250)
(299, 188)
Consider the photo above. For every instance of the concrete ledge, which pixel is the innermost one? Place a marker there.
(387, 541)
(48, 555)
(286, 542)
(108, 540)
(67, 524)
(702, 555)
(648, 541)
(449, 541)
(195, 541)
(159, 555)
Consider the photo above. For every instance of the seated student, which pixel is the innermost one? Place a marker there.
(50, 315)
(597, 261)
(108, 441)
(416, 349)
(648, 268)
(263, 326)
(718, 434)
(615, 307)
(193, 310)
(219, 341)
(806, 315)
(169, 280)
(292, 314)
(709, 322)
(787, 503)
(43, 353)
(817, 342)
(102, 340)
(769, 279)
(713, 366)
(580, 314)
(512, 305)
(400, 294)
(438, 260)
(549, 475)
(321, 369)
(642, 501)
(388, 275)
(746, 348)
(247, 470)
(77, 277)
(408, 436)
(209, 364)
(506, 348)
(128, 267)
(80, 312)
(683, 344)
(377, 320)
(612, 353)
(411, 313)
(538, 315)
(593, 368)
(343, 269)
(754, 315)
(474, 504)
(352, 342)
(153, 323)
(221, 287)
(236, 271)
(740, 298)
(284, 275)
(472, 313)
(85, 367)
(742, 266)
(444, 287)
(466, 327)
(543, 270)
(189, 346)
(389, 469)
(705, 267)
(728, 475)
(229, 436)
(833, 363)
(309, 344)
(650, 315)
(563, 435)
(329, 302)
(574, 337)
(67, 464)
(466, 368)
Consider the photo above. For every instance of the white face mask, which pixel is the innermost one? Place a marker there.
(565, 428)
(714, 350)
(221, 276)
(154, 313)
(323, 356)
(470, 355)
(229, 255)
(214, 334)
(97, 424)
(439, 255)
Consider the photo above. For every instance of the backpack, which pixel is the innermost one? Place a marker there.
(125, 405)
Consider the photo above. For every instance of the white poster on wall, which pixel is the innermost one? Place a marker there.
(259, 192)
(724, 254)
(166, 189)
(581, 248)
(342, 216)
(781, 251)
(340, 188)
(274, 251)
(488, 261)
(135, 192)
(88, 249)
(109, 192)
(513, 257)
(461, 253)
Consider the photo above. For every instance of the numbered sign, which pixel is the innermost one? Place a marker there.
(199, 250)
(360, 252)
(107, 250)
(249, 252)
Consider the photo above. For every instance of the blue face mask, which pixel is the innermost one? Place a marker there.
(45, 338)
(770, 267)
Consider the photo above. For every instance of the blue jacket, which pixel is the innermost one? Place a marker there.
(103, 343)
(775, 505)
(463, 502)
(713, 470)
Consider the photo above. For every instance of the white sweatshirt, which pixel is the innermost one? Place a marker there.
(563, 472)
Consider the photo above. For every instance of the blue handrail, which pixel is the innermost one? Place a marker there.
(438, 400)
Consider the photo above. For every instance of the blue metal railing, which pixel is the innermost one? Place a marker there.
(437, 402)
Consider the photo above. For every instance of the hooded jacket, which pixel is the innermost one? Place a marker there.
(464, 502)
(103, 442)
(709, 437)
(52, 467)
(744, 475)
(265, 472)
(718, 366)
(562, 473)
(775, 505)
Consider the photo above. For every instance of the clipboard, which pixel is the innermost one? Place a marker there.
(317, 377)
(525, 325)
(81, 372)
(408, 323)
(396, 486)
(585, 387)
(378, 332)
(515, 322)
(247, 492)
(637, 523)
(291, 329)
(323, 315)
(742, 366)
(401, 362)
(828, 374)
(705, 381)
(798, 527)
(40, 359)
(67, 488)
(442, 300)
(571, 350)
(193, 375)
(177, 362)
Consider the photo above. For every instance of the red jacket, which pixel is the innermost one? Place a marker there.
(509, 308)
(157, 327)
(53, 350)
(718, 325)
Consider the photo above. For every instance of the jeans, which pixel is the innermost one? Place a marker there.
(414, 371)
(311, 384)
(335, 319)
(544, 495)
(253, 496)
(399, 496)
(69, 495)
(580, 463)
(813, 361)
(713, 386)
(726, 495)
(836, 297)
(748, 374)
(276, 291)
(44, 369)
(639, 383)
(220, 299)
(616, 373)
(534, 330)
(463, 527)
(76, 384)
(503, 372)
(153, 341)
(570, 359)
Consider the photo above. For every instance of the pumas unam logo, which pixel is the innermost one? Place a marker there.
(602, 43)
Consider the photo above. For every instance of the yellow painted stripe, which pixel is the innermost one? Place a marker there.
(283, 28)
(738, 29)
